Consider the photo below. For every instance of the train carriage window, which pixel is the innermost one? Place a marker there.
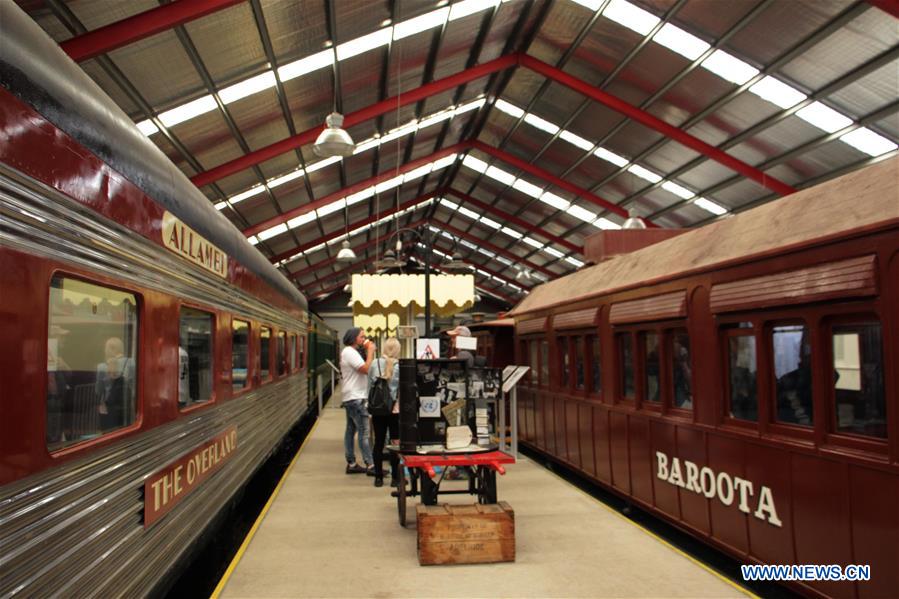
(626, 363)
(681, 369)
(651, 364)
(91, 361)
(292, 353)
(533, 373)
(579, 362)
(860, 407)
(742, 376)
(596, 370)
(302, 357)
(265, 345)
(240, 345)
(792, 353)
(195, 357)
(562, 348)
(280, 354)
(544, 362)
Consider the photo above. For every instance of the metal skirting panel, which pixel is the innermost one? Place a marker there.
(77, 530)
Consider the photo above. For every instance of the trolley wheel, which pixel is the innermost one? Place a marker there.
(486, 485)
(401, 497)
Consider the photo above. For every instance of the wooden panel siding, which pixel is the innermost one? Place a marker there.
(659, 307)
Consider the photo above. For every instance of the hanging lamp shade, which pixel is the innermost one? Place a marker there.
(389, 261)
(334, 141)
(633, 221)
(346, 253)
(455, 264)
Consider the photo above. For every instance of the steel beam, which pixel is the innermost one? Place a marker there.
(497, 250)
(142, 25)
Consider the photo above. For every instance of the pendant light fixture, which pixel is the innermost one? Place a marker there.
(633, 220)
(346, 253)
(334, 140)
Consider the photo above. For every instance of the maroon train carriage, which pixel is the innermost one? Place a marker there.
(152, 358)
(496, 341)
(739, 380)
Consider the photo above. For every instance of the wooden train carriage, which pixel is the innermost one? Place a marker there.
(739, 380)
(496, 341)
(153, 358)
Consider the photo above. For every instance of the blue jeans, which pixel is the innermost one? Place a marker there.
(357, 421)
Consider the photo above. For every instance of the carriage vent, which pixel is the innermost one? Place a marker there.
(847, 278)
(659, 307)
(535, 325)
(578, 319)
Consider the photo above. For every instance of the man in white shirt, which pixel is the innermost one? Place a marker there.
(354, 389)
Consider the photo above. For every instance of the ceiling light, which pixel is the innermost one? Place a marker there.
(574, 262)
(554, 201)
(604, 223)
(475, 164)
(644, 173)
(455, 264)
(247, 87)
(608, 156)
(710, 206)
(419, 24)
(346, 253)
(527, 188)
(581, 213)
(824, 117)
(542, 124)
(348, 288)
(633, 220)
(333, 141)
(185, 112)
(389, 261)
(729, 67)
(510, 109)
(681, 192)
(469, 7)
(576, 140)
(504, 177)
(553, 252)
(868, 142)
(777, 92)
(271, 232)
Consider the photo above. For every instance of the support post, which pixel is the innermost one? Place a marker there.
(320, 392)
(513, 415)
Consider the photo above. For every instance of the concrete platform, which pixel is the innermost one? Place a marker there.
(328, 534)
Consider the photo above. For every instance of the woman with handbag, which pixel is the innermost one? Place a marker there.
(384, 382)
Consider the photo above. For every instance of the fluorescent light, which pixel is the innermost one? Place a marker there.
(444, 162)
(331, 207)
(576, 140)
(490, 222)
(710, 206)
(247, 87)
(681, 192)
(542, 124)
(449, 204)
(147, 127)
(604, 223)
(389, 184)
(246, 194)
(824, 117)
(777, 92)
(574, 261)
(474, 164)
(307, 65)
(644, 173)
(182, 113)
(317, 166)
(729, 67)
(365, 43)
(612, 157)
(868, 142)
(500, 175)
(509, 109)
(678, 40)
(532, 242)
(420, 24)
(527, 188)
(360, 196)
(269, 233)
(554, 201)
(553, 251)
(301, 220)
(511, 232)
(581, 213)
(625, 13)
(296, 174)
(469, 7)
(469, 213)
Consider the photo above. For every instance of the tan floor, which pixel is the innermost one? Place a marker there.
(332, 535)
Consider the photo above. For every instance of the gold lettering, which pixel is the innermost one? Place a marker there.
(156, 496)
(178, 487)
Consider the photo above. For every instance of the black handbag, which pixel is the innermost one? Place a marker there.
(379, 396)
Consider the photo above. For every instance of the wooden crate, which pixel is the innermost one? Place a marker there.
(465, 534)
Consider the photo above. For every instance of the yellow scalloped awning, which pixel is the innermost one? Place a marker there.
(374, 324)
(384, 294)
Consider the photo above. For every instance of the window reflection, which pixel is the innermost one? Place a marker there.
(793, 374)
(858, 379)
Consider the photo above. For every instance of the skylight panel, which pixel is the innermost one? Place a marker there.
(500, 175)
(221, 205)
(710, 206)
(777, 92)
(271, 232)
(504, 260)
(678, 40)
(553, 251)
(314, 249)
(360, 196)
(417, 173)
(511, 232)
(474, 164)
(591, 4)
(389, 184)
(490, 222)
(604, 223)
(367, 144)
(322, 164)
(532, 242)
(444, 162)
(296, 174)
(625, 13)
(867, 141)
(554, 201)
(824, 117)
(509, 109)
(365, 43)
(470, 7)
(247, 194)
(574, 261)
(612, 157)
(681, 192)
(253, 240)
(469, 213)
(729, 67)
(185, 112)
(576, 140)
(331, 208)
(436, 118)
(247, 87)
(644, 173)
(473, 105)
(448, 204)
(539, 123)
(307, 65)
(468, 244)
(527, 188)
(426, 21)
(301, 220)
(147, 127)
(581, 213)
(486, 252)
